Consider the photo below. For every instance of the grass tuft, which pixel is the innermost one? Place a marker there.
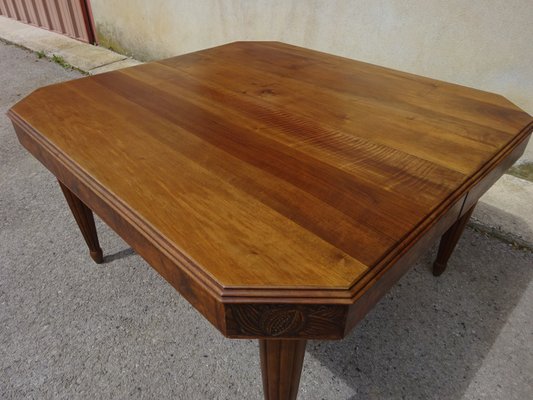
(61, 61)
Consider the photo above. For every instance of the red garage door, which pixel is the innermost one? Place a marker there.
(69, 17)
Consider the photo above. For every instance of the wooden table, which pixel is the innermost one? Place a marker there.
(280, 190)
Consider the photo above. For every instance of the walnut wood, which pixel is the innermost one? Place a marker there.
(85, 220)
(281, 367)
(449, 241)
(290, 320)
(280, 190)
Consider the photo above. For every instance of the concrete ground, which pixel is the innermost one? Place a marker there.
(71, 329)
(82, 56)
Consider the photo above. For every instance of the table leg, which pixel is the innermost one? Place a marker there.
(281, 367)
(85, 220)
(449, 241)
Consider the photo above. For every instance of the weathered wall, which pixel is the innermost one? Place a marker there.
(485, 44)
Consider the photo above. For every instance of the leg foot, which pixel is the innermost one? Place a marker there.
(281, 366)
(449, 241)
(85, 220)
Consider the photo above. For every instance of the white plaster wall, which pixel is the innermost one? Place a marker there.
(486, 44)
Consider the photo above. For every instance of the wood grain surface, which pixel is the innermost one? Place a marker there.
(262, 173)
(281, 367)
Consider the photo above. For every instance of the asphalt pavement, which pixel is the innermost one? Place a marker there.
(71, 329)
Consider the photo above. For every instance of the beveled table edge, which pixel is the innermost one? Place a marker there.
(268, 294)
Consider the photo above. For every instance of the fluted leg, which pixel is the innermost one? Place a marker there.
(84, 217)
(281, 366)
(449, 241)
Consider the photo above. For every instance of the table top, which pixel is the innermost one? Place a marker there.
(267, 168)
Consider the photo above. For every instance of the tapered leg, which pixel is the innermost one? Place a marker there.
(448, 242)
(84, 217)
(281, 366)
